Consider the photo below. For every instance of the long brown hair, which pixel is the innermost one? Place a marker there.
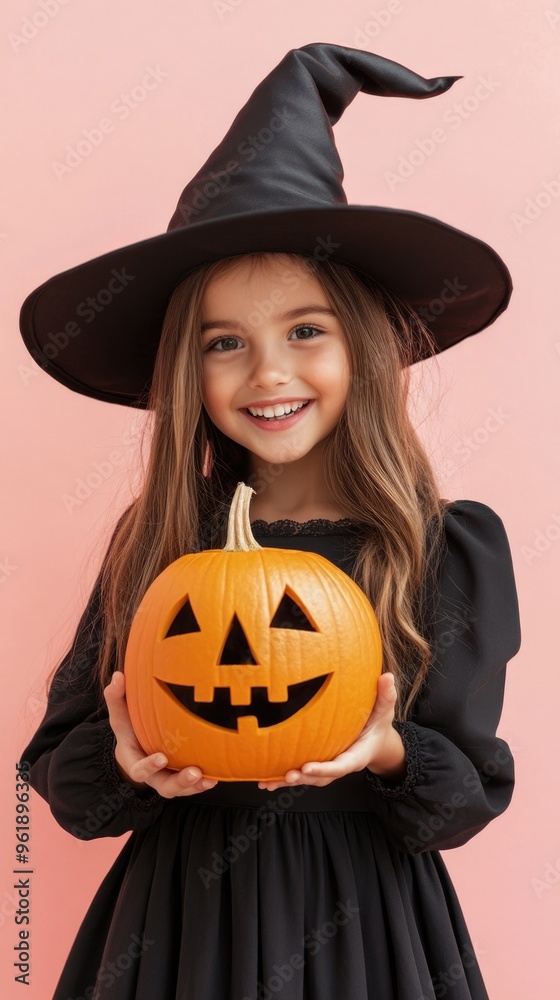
(375, 466)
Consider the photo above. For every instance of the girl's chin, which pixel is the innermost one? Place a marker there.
(275, 454)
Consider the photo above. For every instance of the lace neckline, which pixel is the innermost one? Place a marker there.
(315, 526)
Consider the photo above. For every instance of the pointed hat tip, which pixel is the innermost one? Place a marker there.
(443, 82)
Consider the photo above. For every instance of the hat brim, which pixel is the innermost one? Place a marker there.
(96, 327)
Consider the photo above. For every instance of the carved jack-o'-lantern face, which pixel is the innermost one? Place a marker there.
(247, 663)
(236, 652)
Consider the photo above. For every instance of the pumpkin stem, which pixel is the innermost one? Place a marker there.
(240, 537)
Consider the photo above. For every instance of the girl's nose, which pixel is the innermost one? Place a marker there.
(269, 368)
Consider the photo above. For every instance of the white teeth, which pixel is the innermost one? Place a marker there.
(276, 411)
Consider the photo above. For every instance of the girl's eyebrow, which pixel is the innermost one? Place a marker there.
(292, 314)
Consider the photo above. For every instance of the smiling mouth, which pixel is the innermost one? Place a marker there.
(221, 712)
(282, 416)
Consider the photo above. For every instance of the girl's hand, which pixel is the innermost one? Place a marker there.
(377, 740)
(131, 759)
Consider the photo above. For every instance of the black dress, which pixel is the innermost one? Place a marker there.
(324, 893)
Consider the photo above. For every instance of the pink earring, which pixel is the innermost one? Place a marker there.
(207, 466)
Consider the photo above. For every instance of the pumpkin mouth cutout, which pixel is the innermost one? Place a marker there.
(221, 712)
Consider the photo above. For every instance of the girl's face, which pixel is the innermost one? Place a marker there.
(268, 336)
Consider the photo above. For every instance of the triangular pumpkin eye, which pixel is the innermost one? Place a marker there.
(236, 649)
(183, 622)
(290, 615)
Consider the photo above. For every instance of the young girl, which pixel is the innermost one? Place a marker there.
(328, 884)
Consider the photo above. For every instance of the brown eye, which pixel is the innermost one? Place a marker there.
(219, 340)
(308, 326)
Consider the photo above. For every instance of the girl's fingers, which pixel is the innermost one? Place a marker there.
(145, 767)
(386, 693)
(317, 777)
(167, 783)
(152, 769)
(129, 754)
(116, 704)
(188, 781)
(383, 710)
(341, 765)
(355, 756)
(272, 786)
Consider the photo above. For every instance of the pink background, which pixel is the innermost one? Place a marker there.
(80, 57)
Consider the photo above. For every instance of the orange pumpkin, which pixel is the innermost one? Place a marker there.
(248, 661)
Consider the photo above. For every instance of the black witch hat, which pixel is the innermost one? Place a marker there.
(274, 183)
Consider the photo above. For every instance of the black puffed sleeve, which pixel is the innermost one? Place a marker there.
(459, 774)
(71, 759)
